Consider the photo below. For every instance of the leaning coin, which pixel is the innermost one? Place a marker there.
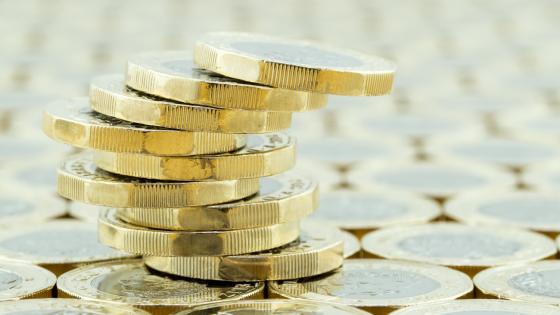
(109, 96)
(73, 122)
(378, 286)
(56, 245)
(17, 208)
(282, 198)
(65, 306)
(24, 281)
(140, 240)
(172, 75)
(293, 64)
(264, 155)
(80, 180)
(129, 282)
(464, 247)
(480, 307)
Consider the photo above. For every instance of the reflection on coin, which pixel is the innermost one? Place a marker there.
(129, 282)
(352, 245)
(65, 306)
(17, 208)
(378, 286)
(56, 245)
(469, 248)
(21, 281)
(479, 307)
(83, 211)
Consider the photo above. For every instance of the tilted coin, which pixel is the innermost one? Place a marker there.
(21, 281)
(282, 198)
(317, 250)
(109, 96)
(80, 180)
(479, 307)
(468, 248)
(543, 177)
(264, 155)
(378, 286)
(17, 208)
(57, 245)
(73, 122)
(140, 240)
(83, 211)
(273, 306)
(172, 75)
(129, 282)
(292, 64)
(352, 245)
(66, 306)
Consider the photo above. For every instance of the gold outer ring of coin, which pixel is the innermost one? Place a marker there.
(244, 56)
(73, 122)
(484, 306)
(318, 250)
(66, 306)
(283, 198)
(264, 155)
(129, 282)
(272, 306)
(136, 239)
(80, 180)
(109, 96)
(25, 281)
(172, 75)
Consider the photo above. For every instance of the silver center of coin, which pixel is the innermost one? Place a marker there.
(269, 186)
(411, 126)
(42, 175)
(430, 178)
(544, 283)
(484, 313)
(10, 207)
(9, 280)
(346, 151)
(529, 210)
(504, 152)
(51, 311)
(360, 207)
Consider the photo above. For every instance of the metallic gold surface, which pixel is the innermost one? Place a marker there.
(80, 180)
(17, 208)
(66, 306)
(172, 75)
(479, 306)
(23, 281)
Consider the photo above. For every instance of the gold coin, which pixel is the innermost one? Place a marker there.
(464, 247)
(17, 208)
(282, 198)
(23, 281)
(317, 250)
(136, 239)
(264, 155)
(378, 286)
(352, 245)
(80, 180)
(66, 306)
(272, 306)
(57, 245)
(479, 306)
(109, 96)
(292, 64)
(73, 122)
(172, 75)
(129, 282)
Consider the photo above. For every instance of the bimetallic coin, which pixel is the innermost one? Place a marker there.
(129, 282)
(464, 247)
(329, 177)
(282, 198)
(109, 96)
(17, 208)
(545, 177)
(273, 306)
(73, 122)
(22, 281)
(292, 64)
(56, 245)
(352, 246)
(318, 250)
(83, 211)
(66, 306)
(378, 286)
(172, 75)
(479, 307)
(80, 180)
(140, 240)
(264, 155)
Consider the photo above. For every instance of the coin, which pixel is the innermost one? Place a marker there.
(14, 150)
(464, 247)
(282, 198)
(83, 211)
(109, 96)
(65, 306)
(172, 75)
(57, 245)
(73, 122)
(293, 64)
(140, 240)
(272, 306)
(23, 281)
(17, 208)
(264, 155)
(35, 175)
(352, 246)
(543, 177)
(479, 306)
(80, 180)
(378, 286)
(129, 282)
(317, 250)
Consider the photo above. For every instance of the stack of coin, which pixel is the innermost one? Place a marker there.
(188, 159)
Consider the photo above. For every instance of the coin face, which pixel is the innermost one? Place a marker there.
(18, 281)
(545, 177)
(84, 211)
(479, 307)
(379, 284)
(18, 150)
(16, 208)
(65, 306)
(352, 244)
